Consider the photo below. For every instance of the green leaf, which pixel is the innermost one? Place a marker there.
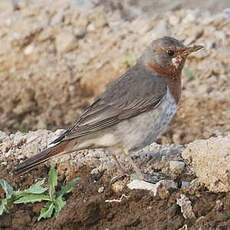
(59, 204)
(37, 193)
(7, 188)
(52, 182)
(128, 59)
(32, 198)
(73, 182)
(47, 211)
(68, 187)
(3, 206)
(52, 178)
(36, 188)
(18, 194)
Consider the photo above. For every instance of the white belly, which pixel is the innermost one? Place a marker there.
(143, 129)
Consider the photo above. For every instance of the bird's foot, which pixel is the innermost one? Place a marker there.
(119, 177)
(151, 178)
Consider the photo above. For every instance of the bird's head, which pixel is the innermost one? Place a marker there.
(167, 56)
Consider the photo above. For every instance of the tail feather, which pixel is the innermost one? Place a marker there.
(39, 158)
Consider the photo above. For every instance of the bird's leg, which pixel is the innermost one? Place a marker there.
(146, 177)
(120, 168)
(135, 167)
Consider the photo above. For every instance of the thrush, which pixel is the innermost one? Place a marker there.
(133, 110)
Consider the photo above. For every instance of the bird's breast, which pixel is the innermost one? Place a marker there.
(143, 129)
(172, 76)
(159, 118)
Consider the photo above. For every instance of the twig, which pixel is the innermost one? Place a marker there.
(117, 200)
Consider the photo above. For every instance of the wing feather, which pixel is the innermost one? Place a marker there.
(133, 93)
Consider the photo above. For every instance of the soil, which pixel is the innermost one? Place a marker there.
(49, 90)
(89, 209)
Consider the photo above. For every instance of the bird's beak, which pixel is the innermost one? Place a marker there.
(189, 50)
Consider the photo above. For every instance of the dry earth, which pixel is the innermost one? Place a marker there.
(57, 57)
(55, 62)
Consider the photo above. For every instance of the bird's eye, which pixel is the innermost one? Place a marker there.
(170, 52)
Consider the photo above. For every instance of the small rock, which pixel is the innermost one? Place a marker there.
(118, 186)
(219, 205)
(185, 227)
(186, 207)
(29, 49)
(5, 146)
(2, 135)
(80, 32)
(91, 27)
(176, 167)
(65, 42)
(185, 184)
(46, 34)
(101, 189)
(139, 184)
(21, 157)
(8, 153)
(57, 18)
(18, 138)
(155, 188)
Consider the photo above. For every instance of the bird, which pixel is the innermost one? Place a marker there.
(133, 110)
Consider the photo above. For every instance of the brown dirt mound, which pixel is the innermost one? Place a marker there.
(87, 208)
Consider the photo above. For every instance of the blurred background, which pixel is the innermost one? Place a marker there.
(57, 56)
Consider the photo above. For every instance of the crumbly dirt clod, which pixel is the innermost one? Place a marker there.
(210, 161)
(99, 204)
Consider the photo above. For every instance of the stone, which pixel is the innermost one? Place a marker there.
(57, 18)
(29, 49)
(118, 186)
(155, 188)
(65, 42)
(185, 184)
(101, 189)
(176, 167)
(186, 207)
(210, 160)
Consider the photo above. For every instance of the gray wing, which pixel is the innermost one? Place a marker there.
(135, 92)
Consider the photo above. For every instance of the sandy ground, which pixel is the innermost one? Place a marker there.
(55, 59)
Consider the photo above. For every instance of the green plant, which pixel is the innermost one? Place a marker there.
(37, 193)
(128, 60)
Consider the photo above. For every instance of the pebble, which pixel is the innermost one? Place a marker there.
(101, 189)
(29, 50)
(176, 167)
(65, 42)
(140, 184)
